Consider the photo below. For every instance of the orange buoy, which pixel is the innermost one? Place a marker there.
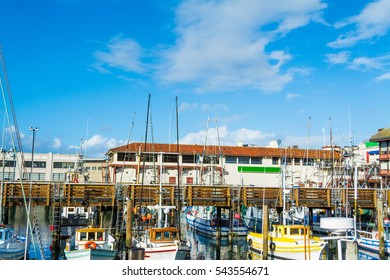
(90, 245)
(149, 216)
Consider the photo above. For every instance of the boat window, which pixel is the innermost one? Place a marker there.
(1, 235)
(166, 235)
(158, 235)
(83, 236)
(99, 236)
(294, 231)
(91, 236)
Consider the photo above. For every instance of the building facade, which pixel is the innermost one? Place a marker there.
(52, 167)
(223, 165)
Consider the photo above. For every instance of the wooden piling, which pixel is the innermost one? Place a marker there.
(129, 218)
(379, 210)
(218, 222)
(265, 232)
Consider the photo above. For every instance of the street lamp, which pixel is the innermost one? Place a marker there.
(34, 130)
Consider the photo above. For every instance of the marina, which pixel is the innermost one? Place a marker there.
(202, 247)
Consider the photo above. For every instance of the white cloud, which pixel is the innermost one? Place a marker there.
(383, 77)
(184, 106)
(290, 96)
(217, 43)
(226, 137)
(122, 53)
(372, 22)
(214, 107)
(338, 58)
(57, 143)
(368, 63)
(97, 146)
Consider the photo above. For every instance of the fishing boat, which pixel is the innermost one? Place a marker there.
(91, 244)
(370, 241)
(288, 242)
(12, 247)
(203, 220)
(161, 244)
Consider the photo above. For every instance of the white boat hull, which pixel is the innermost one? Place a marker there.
(91, 254)
(161, 253)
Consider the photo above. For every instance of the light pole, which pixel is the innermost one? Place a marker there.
(34, 130)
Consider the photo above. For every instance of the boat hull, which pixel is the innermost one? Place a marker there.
(286, 248)
(161, 253)
(12, 251)
(91, 254)
(204, 226)
(372, 245)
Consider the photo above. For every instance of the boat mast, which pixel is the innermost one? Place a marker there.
(178, 173)
(143, 162)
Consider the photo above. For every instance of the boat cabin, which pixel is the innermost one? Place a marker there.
(167, 234)
(295, 230)
(6, 234)
(91, 234)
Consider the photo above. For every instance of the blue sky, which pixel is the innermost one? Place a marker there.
(249, 70)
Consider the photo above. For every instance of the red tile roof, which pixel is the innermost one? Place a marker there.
(251, 151)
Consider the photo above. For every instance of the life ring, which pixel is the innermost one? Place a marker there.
(272, 246)
(90, 245)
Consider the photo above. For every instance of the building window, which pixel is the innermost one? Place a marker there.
(37, 164)
(8, 176)
(58, 177)
(188, 159)
(275, 160)
(210, 159)
(148, 157)
(63, 165)
(230, 159)
(308, 161)
(297, 161)
(243, 160)
(256, 160)
(126, 157)
(35, 176)
(8, 163)
(170, 158)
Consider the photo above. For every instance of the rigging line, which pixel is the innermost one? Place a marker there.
(127, 147)
(20, 164)
(11, 102)
(220, 155)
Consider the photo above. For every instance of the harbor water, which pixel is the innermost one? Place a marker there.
(202, 247)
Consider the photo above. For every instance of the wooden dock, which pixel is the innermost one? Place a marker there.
(78, 194)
